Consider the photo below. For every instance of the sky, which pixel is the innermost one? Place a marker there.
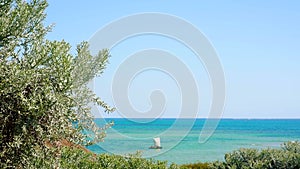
(257, 43)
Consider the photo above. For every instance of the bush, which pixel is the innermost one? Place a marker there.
(72, 158)
(195, 166)
(287, 157)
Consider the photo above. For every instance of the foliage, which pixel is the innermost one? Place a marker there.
(43, 88)
(72, 158)
(195, 166)
(287, 157)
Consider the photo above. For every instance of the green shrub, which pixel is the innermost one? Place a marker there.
(195, 166)
(75, 158)
(286, 157)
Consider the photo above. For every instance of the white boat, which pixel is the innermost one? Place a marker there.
(156, 145)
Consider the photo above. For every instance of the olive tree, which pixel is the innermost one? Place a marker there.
(44, 96)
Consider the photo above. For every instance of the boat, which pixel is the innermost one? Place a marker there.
(156, 145)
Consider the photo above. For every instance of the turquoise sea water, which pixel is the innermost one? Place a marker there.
(179, 137)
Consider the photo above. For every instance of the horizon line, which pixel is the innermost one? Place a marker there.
(224, 118)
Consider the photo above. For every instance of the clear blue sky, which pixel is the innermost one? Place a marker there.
(258, 43)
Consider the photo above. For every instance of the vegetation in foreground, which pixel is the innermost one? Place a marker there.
(288, 157)
(44, 96)
(72, 157)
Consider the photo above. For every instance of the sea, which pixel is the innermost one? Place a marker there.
(180, 138)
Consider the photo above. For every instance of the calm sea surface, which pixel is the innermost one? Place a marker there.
(180, 137)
